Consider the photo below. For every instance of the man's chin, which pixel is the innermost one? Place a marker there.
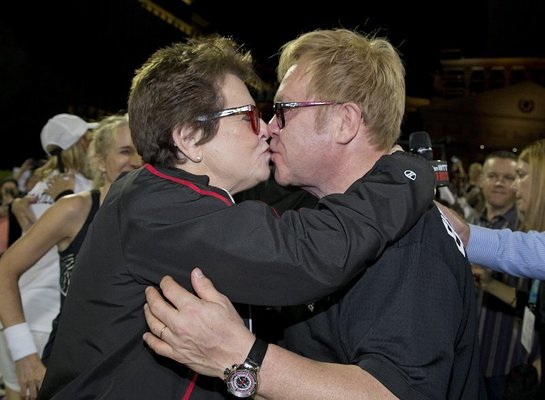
(281, 179)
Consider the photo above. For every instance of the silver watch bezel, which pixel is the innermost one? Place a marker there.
(247, 371)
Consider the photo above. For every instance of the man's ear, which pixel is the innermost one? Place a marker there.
(185, 140)
(352, 119)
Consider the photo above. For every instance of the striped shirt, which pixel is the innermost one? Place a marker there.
(516, 253)
(499, 326)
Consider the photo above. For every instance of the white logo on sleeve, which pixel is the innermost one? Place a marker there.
(452, 233)
(410, 174)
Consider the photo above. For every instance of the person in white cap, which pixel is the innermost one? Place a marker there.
(65, 138)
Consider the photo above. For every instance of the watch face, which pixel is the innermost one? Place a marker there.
(242, 383)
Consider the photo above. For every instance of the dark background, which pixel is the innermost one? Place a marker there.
(79, 56)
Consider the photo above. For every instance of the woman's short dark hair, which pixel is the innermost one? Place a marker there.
(176, 85)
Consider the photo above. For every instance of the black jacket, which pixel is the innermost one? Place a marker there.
(158, 221)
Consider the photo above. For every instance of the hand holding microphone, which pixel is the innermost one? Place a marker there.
(420, 143)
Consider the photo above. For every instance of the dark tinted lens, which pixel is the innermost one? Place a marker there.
(255, 115)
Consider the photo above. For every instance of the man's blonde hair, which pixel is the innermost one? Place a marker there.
(347, 66)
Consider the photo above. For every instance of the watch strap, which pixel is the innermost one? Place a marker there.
(257, 352)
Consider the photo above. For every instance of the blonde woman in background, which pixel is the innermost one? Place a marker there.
(65, 138)
(64, 226)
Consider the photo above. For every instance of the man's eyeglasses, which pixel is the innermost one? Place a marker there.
(253, 112)
(278, 108)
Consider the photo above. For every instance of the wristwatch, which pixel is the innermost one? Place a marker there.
(241, 379)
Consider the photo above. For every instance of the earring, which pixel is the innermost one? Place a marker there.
(198, 159)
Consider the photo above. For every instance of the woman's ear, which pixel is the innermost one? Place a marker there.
(100, 164)
(185, 140)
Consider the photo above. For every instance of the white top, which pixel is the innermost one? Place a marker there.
(516, 253)
(39, 286)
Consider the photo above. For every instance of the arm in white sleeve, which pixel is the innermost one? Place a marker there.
(516, 253)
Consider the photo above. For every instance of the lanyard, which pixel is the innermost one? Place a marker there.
(532, 297)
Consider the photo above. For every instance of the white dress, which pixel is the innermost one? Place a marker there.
(39, 287)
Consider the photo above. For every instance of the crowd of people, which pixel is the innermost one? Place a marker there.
(178, 237)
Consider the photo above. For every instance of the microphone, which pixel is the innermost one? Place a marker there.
(420, 144)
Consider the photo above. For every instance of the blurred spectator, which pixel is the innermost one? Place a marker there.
(473, 193)
(64, 226)
(499, 324)
(9, 227)
(25, 174)
(458, 176)
(65, 139)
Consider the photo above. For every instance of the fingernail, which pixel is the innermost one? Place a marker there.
(198, 273)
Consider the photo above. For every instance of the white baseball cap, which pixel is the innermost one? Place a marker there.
(63, 130)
